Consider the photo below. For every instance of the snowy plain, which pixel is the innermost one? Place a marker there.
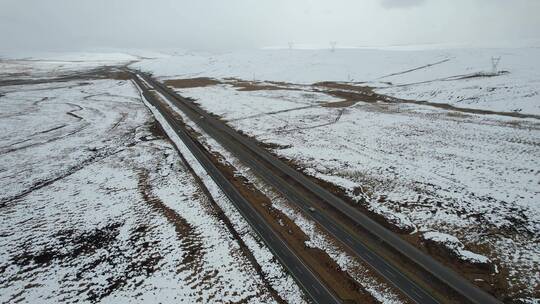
(437, 74)
(467, 181)
(98, 207)
(31, 65)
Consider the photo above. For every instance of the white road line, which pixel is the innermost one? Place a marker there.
(416, 293)
(391, 273)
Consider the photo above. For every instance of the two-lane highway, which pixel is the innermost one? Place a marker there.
(309, 281)
(300, 190)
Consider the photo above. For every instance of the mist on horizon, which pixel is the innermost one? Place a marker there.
(64, 25)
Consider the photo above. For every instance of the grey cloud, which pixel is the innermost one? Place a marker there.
(217, 24)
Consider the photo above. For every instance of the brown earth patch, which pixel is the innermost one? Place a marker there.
(350, 93)
(355, 92)
(86, 249)
(86, 242)
(191, 82)
(238, 84)
(242, 85)
(339, 104)
(190, 241)
(117, 74)
(156, 130)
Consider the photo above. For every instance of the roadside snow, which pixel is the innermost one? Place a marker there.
(452, 243)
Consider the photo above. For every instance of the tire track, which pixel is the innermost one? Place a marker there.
(47, 182)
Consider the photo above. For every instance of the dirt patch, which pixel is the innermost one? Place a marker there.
(85, 242)
(156, 130)
(238, 84)
(242, 85)
(193, 257)
(142, 262)
(93, 249)
(117, 74)
(348, 92)
(455, 114)
(354, 92)
(191, 82)
(339, 104)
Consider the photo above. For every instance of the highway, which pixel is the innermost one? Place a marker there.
(310, 282)
(293, 185)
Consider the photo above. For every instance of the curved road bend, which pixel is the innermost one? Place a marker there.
(228, 136)
(309, 281)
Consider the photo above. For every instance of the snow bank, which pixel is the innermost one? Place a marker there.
(453, 244)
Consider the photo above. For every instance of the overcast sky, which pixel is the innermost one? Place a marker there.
(222, 24)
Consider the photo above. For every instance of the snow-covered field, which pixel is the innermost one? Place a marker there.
(437, 75)
(48, 65)
(97, 206)
(467, 181)
(436, 173)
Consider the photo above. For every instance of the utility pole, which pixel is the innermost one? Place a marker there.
(291, 45)
(494, 64)
(333, 46)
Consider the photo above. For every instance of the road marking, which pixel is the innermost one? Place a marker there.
(368, 255)
(316, 289)
(391, 273)
(416, 293)
(332, 227)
